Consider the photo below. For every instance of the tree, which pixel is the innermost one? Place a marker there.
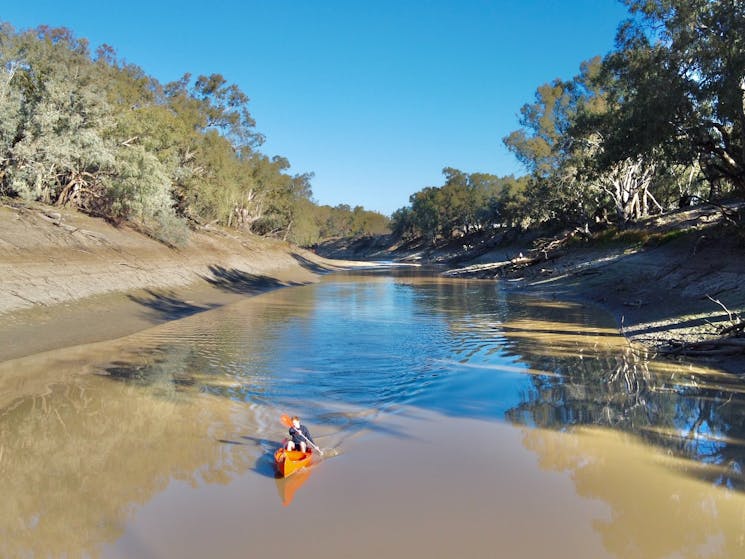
(59, 153)
(539, 143)
(464, 204)
(98, 133)
(582, 167)
(553, 150)
(425, 210)
(682, 67)
(11, 63)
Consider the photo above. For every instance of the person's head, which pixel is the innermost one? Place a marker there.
(296, 422)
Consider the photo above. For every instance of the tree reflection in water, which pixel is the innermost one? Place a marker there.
(691, 412)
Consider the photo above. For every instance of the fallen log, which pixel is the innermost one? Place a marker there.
(719, 346)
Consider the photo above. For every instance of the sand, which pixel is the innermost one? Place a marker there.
(68, 279)
(676, 292)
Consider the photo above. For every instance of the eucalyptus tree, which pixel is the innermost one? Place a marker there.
(58, 153)
(466, 203)
(682, 67)
(539, 143)
(88, 129)
(402, 223)
(319, 223)
(426, 210)
(11, 63)
(581, 166)
(60, 143)
(495, 201)
(555, 156)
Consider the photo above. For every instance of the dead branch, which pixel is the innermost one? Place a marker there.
(718, 302)
(736, 326)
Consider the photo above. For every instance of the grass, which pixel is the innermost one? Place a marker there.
(637, 237)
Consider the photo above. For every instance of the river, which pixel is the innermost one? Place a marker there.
(456, 418)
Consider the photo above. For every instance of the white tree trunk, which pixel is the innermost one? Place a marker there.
(628, 186)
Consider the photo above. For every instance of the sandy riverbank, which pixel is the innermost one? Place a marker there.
(672, 290)
(68, 279)
(671, 281)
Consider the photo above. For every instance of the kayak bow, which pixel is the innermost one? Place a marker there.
(287, 462)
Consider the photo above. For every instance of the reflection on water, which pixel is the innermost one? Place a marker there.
(198, 401)
(657, 510)
(288, 486)
(75, 460)
(690, 412)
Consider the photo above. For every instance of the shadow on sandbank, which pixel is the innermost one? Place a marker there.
(311, 266)
(238, 281)
(166, 306)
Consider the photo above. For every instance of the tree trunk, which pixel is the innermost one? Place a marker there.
(742, 120)
(629, 189)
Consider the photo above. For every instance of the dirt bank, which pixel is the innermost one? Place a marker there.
(67, 278)
(674, 284)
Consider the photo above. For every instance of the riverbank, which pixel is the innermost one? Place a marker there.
(673, 283)
(68, 279)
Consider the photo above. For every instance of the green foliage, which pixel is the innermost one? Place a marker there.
(465, 203)
(680, 67)
(402, 223)
(344, 221)
(62, 146)
(10, 97)
(637, 237)
(95, 132)
(537, 145)
(648, 127)
(58, 151)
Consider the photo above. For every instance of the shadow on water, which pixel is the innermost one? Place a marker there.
(265, 462)
(247, 440)
(166, 306)
(265, 465)
(238, 281)
(155, 367)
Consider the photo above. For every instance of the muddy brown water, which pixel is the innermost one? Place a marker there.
(456, 420)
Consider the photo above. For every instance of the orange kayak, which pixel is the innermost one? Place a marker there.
(288, 462)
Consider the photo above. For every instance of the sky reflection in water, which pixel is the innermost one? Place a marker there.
(460, 348)
(196, 402)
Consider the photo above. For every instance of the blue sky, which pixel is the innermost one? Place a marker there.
(376, 96)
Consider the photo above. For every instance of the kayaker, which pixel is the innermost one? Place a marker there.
(299, 436)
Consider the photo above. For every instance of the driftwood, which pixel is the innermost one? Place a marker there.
(707, 348)
(734, 329)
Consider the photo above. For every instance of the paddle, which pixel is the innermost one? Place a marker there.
(287, 422)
